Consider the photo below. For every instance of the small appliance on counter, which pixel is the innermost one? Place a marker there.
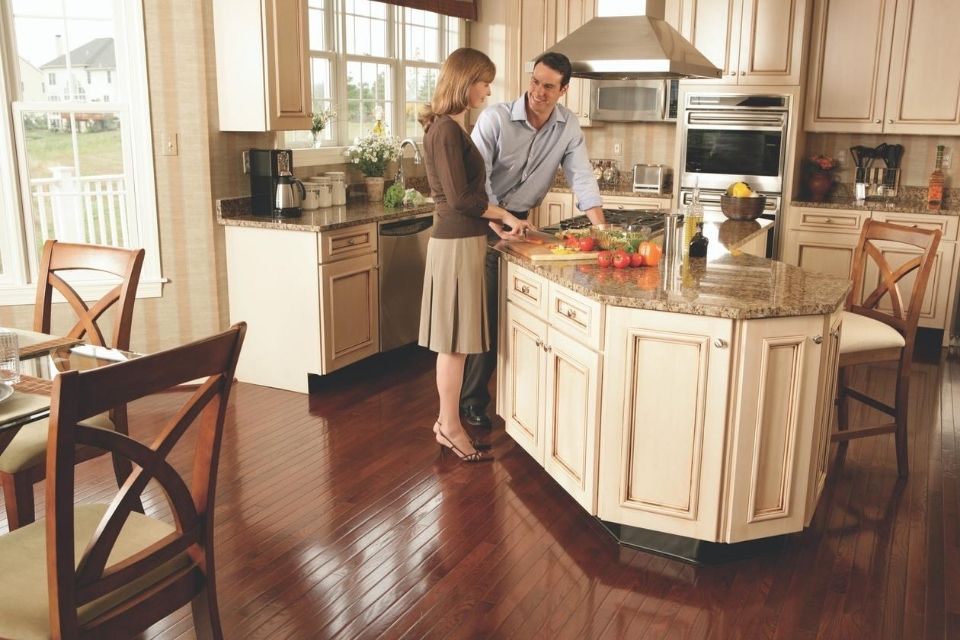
(652, 177)
(270, 175)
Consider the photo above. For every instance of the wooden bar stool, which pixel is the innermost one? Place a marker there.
(873, 335)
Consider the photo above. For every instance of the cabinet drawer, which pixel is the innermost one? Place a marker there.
(575, 315)
(828, 219)
(634, 202)
(946, 224)
(350, 241)
(527, 290)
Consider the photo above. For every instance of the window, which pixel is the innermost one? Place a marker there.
(369, 60)
(83, 169)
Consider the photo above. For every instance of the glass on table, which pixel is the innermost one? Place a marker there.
(9, 357)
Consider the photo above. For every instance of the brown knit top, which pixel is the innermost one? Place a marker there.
(457, 178)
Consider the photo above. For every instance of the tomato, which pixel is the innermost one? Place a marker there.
(571, 241)
(604, 259)
(651, 252)
(621, 259)
(636, 260)
(586, 243)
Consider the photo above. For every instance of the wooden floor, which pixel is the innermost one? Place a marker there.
(336, 518)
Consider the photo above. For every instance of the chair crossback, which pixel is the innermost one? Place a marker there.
(903, 319)
(59, 257)
(77, 395)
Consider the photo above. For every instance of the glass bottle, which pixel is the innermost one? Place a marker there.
(698, 244)
(935, 186)
(378, 127)
(693, 215)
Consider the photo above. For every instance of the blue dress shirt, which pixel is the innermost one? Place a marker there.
(522, 162)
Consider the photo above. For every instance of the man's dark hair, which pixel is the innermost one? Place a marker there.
(558, 62)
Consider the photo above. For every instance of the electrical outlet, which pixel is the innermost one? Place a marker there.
(947, 158)
(246, 162)
(840, 156)
(617, 148)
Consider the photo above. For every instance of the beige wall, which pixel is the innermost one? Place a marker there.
(919, 156)
(647, 143)
(183, 100)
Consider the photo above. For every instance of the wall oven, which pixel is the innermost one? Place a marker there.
(727, 138)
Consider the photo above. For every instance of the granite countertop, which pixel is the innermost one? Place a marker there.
(235, 212)
(726, 284)
(621, 191)
(909, 200)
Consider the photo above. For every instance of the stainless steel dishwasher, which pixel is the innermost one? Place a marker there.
(403, 255)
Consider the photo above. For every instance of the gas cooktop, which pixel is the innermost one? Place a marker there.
(626, 217)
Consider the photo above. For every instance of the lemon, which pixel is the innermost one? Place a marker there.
(739, 190)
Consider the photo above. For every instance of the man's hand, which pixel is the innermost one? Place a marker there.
(596, 215)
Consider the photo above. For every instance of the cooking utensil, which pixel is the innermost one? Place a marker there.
(896, 154)
(539, 237)
(855, 154)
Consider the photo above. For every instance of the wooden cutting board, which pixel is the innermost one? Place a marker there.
(542, 253)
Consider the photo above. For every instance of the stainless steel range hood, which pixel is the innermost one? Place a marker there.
(639, 45)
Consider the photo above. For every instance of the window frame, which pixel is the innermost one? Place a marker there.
(395, 60)
(18, 283)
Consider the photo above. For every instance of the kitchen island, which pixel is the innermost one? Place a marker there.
(683, 409)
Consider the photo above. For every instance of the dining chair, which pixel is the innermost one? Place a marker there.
(106, 570)
(22, 463)
(871, 334)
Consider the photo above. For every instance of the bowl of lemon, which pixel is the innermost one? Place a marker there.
(740, 202)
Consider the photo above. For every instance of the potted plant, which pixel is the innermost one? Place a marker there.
(321, 119)
(820, 170)
(372, 154)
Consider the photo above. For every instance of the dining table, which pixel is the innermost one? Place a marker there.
(42, 358)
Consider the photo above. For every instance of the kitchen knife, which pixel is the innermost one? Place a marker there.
(539, 237)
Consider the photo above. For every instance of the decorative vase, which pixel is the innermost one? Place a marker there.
(819, 184)
(374, 188)
(317, 139)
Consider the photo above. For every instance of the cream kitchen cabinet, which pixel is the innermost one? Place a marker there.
(554, 207)
(825, 413)
(263, 65)
(634, 202)
(879, 66)
(696, 407)
(753, 42)
(822, 239)
(550, 372)
(311, 301)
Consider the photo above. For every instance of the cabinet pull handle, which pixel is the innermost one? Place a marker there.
(817, 339)
(571, 313)
(733, 73)
(743, 73)
(720, 343)
(546, 348)
(834, 333)
(524, 289)
(877, 121)
(829, 220)
(539, 342)
(352, 241)
(890, 121)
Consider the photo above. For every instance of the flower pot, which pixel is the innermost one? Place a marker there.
(374, 188)
(819, 184)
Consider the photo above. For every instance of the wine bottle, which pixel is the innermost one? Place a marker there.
(935, 187)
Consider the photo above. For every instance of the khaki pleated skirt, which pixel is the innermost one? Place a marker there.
(453, 311)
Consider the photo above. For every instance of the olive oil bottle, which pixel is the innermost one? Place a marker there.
(935, 186)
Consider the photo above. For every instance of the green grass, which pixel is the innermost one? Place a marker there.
(100, 152)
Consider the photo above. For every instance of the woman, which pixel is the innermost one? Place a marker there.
(453, 308)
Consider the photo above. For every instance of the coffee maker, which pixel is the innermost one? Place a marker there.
(270, 170)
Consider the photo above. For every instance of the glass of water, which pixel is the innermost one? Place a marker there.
(9, 357)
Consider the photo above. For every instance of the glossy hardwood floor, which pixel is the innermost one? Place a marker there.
(337, 519)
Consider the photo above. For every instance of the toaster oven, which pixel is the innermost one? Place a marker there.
(652, 177)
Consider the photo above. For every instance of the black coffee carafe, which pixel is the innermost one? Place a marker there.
(289, 196)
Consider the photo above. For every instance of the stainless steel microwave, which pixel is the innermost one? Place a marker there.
(634, 100)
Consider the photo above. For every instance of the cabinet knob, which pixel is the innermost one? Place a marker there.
(817, 339)
(547, 349)
(877, 121)
(743, 73)
(571, 313)
(524, 289)
(539, 342)
(890, 121)
(834, 333)
(720, 343)
(733, 73)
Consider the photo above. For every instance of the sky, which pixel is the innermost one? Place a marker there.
(38, 22)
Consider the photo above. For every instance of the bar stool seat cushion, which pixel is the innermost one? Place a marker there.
(29, 447)
(861, 333)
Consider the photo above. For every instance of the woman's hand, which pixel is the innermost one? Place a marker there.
(517, 226)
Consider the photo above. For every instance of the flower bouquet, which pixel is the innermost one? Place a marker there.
(822, 163)
(373, 153)
(321, 119)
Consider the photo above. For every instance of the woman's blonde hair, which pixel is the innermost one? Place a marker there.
(459, 72)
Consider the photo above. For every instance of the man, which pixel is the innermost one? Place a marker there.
(523, 143)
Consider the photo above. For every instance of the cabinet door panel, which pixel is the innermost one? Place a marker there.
(715, 23)
(523, 367)
(924, 93)
(825, 413)
(663, 419)
(288, 71)
(572, 412)
(849, 65)
(824, 252)
(776, 402)
(350, 311)
(771, 42)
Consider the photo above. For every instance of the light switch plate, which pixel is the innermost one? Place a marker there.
(169, 144)
(246, 162)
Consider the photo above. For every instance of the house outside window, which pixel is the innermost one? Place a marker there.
(83, 167)
(371, 59)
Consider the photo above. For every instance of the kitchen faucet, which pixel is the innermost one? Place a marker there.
(399, 179)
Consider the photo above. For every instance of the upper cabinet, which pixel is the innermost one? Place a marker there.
(753, 42)
(880, 66)
(263, 66)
